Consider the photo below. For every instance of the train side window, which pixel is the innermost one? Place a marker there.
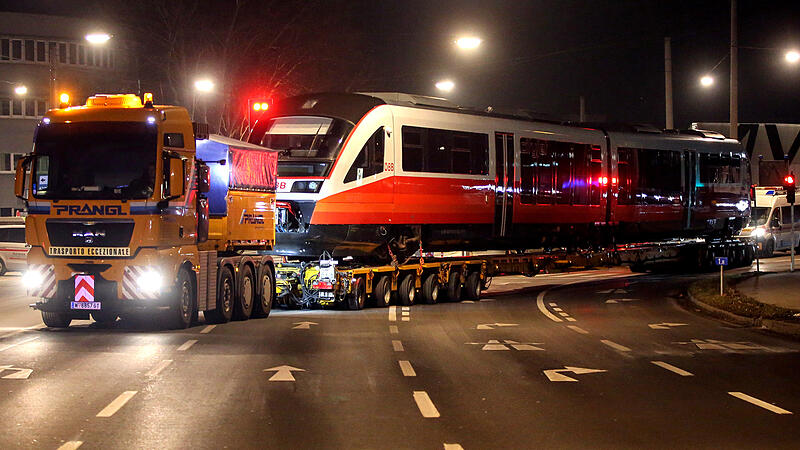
(720, 169)
(527, 155)
(563, 171)
(625, 173)
(412, 149)
(659, 177)
(545, 167)
(580, 185)
(438, 157)
(369, 159)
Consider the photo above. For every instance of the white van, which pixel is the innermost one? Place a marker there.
(771, 223)
(13, 249)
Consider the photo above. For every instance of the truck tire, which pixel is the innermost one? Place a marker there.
(382, 291)
(3, 268)
(454, 286)
(357, 296)
(104, 318)
(225, 298)
(430, 288)
(56, 319)
(407, 291)
(473, 286)
(263, 304)
(245, 294)
(184, 302)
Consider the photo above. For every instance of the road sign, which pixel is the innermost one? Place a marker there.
(283, 373)
(555, 374)
(721, 260)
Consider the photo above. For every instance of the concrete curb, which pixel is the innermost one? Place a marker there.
(776, 326)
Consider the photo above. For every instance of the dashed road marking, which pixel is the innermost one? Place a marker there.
(24, 341)
(73, 445)
(393, 329)
(453, 446)
(407, 369)
(540, 305)
(159, 368)
(116, 404)
(570, 319)
(425, 405)
(761, 403)
(577, 329)
(553, 304)
(406, 308)
(406, 313)
(393, 314)
(672, 368)
(397, 346)
(615, 346)
(563, 314)
(406, 319)
(208, 329)
(185, 346)
(556, 309)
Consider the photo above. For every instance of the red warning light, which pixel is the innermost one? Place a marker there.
(789, 179)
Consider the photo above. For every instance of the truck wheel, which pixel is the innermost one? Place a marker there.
(454, 286)
(383, 291)
(263, 305)
(224, 310)
(183, 302)
(357, 296)
(245, 295)
(473, 286)
(3, 268)
(407, 290)
(56, 319)
(430, 288)
(104, 318)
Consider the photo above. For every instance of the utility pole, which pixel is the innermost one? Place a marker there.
(734, 134)
(582, 115)
(668, 82)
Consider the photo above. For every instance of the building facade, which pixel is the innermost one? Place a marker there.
(48, 55)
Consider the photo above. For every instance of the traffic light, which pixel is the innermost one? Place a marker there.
(789, 187)
(256, 108)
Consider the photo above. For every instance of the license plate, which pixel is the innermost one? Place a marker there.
(85, 305)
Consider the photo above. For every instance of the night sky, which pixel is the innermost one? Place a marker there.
(543, 55)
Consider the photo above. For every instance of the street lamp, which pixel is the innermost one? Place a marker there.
(468, 42)
(204, 85)
(21, 90)
(445, 85)
(97, 38)
(792, 56)
(707, 80)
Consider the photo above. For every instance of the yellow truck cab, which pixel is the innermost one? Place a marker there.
(119, 220)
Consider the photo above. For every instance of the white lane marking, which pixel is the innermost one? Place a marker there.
(24, 341)
(406, 313)
(407, 369)
(540, 305)
(453, 446)
(553, 304)
(577, 329)
(159, 368)
(393, 329)
(73, 445)
(425, 405)
(492, 326)
(20, 330)
(761, 403)
(556, 309)
(673, 369)
(283, 373)
(570, 319)
(116, 404)
(406, 319)
(615, 346)
(185, 346)
(405, 308)
(393, 314)
(397, 346)
(665, 325)
(563, 314)
(208, 329)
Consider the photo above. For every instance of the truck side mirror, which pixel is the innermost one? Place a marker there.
(203, 178)
(202, 218)
(19, 180)
(177, 178)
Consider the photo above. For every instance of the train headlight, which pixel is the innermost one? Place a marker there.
(311, 187)
(32, 279)
(759, 232)
(150, 281)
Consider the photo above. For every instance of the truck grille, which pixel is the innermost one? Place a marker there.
(89, 233)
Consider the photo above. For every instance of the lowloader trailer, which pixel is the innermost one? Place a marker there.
(133, 210)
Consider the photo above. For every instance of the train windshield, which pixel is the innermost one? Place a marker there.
(308, 144)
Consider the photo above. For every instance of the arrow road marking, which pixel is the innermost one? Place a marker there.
(283, 373)
(665, 325)
(303, 325)
(555, 374)
(495, 345)
(21, 374)
(492, 326)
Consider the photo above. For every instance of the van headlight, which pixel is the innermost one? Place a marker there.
(759, 232)
(32, 279)
(150, 281)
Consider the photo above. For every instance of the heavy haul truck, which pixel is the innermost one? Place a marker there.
(133, 209)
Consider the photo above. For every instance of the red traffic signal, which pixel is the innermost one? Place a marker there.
(789, 180)
(256, 107)
(789, 187)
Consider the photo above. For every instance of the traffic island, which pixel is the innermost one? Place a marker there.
(737, 307)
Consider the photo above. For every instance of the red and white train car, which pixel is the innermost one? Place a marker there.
(362, 174)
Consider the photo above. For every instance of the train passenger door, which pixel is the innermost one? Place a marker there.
(504, 183)
(690, 186)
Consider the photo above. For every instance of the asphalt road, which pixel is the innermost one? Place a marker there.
(601, 359)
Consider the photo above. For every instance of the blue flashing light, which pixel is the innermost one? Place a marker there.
(46, 121)
(151, 120)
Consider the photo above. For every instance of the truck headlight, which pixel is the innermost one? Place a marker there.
(32, 279)
(150, 281)
(759, 232)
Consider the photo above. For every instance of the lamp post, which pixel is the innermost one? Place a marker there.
(202, 86)
(94, 39)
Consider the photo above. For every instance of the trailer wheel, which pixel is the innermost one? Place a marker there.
(473, 286)
(430, 288)
(224, 310)
(56, 319)
(407, 290)
(454, 286)
(383, 291)
(357, 296)
(263, 306)
(245, 294)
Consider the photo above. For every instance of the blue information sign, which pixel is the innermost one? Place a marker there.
(721, 260)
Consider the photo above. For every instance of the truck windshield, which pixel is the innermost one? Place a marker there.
(760, 215)
(308, 144)
(95, 160)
